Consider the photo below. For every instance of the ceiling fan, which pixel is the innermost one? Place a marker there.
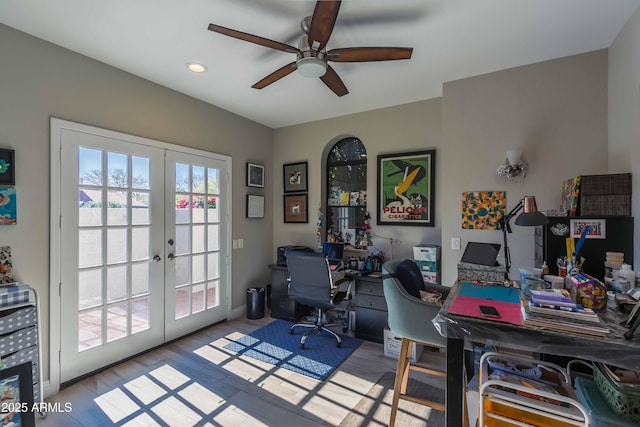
(312, 57)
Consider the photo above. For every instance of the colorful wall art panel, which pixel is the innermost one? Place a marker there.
(7, 206)
(482, 210)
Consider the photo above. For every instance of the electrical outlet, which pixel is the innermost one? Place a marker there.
(455, 243)
(240, 243)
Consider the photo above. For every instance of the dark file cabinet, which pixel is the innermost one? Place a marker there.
(371, 309)
(281, 306)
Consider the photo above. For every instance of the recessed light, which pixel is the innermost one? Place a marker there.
(196, 68)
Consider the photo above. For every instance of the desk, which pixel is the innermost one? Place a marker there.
(614, 350)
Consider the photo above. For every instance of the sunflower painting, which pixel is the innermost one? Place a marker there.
(482, 210)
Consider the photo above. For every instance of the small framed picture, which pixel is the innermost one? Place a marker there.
(295, 208)
(597, 228)
(255, 175)
(295, 177)
(7, 167)
(255, 206)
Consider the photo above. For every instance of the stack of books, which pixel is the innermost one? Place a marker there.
(555, 310)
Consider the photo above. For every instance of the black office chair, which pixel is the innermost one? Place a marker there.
(311, 283)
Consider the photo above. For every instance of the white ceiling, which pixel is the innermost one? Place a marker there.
(452, 39)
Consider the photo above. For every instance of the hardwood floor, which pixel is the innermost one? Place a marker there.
(194, 381)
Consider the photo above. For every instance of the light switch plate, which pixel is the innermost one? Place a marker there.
(455, 243)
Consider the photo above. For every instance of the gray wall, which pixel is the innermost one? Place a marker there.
(39, 80)
(555, 111)
(624, 113)
(408, 127)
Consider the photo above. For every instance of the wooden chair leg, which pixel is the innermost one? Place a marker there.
(402, 377)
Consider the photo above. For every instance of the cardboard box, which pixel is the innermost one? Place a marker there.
(425, 252)
(13, 294)
(392, 344)
(468, 271)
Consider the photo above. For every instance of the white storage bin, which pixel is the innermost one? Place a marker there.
(392, 343)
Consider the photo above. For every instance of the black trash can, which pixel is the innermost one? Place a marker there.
(255, 303)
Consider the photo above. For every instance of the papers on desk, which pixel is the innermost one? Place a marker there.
(473, 299)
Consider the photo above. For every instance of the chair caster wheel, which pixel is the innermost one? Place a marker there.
(290, 331)
(339, 345)
(344, 330)
(301, 345)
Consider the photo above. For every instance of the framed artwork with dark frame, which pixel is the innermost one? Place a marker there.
(7, 167)
(255, 175)
(255, 206)
(295, 177)
(406, 188)
(295, 208)
(16, 387)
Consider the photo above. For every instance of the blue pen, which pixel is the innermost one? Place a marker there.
(582, 237)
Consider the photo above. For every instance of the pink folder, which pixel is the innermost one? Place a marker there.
(470, 306)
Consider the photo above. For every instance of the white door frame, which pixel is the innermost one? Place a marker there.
(57, 127)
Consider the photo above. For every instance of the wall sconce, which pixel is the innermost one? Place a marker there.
(513, 166)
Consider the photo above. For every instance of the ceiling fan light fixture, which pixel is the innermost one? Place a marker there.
(312, 67)
(196, 67)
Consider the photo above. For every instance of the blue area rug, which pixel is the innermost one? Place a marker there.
(273, 344)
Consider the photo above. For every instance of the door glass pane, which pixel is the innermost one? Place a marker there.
(116, 245)
(89, 210)
(140, 172)
(182, 302)
(118, 170)
(198, 179)
(116, 282)
(89, 329)
(198, 238)
(197, 273)
(139, 243)
(89, 288)
(213, 211)
(213, 181)
(197, 298)
(89, 166)
(139, 278)
(182, 239)
(213, 268)
(212, 293)
(140, 315)
(183, 264)
(197, 208)
(182, 178)
(183, 215)
(117, 208)
(117, 321)
(213, 237)
(89, 248)
(140, 211)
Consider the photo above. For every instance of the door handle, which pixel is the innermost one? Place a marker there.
(156, 258)
(171, 256)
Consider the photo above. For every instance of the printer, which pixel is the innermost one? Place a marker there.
(282, 258)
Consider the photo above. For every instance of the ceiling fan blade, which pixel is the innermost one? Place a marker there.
(367, 54)
(253, 39)
(275, 76)
(334, 82)
(322, 22)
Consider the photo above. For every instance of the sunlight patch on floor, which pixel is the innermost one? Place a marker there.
(202, 398)
(175, 413)
(169, 376)
(145, 389)
(142, 420)
(116, 405)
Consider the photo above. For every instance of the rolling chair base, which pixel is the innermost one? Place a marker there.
(318, 326)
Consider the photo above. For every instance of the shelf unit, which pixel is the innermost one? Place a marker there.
(20, 338)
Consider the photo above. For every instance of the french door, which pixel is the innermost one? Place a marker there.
(144, 242)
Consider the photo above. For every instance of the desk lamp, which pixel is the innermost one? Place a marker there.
(530, 217)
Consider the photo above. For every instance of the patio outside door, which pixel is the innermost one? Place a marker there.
(143, 239)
